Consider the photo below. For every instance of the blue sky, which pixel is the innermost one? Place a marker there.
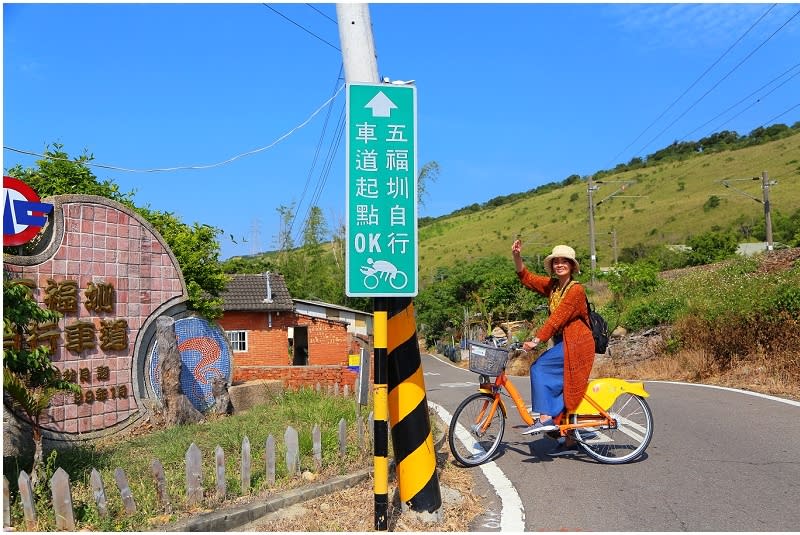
(510, 96)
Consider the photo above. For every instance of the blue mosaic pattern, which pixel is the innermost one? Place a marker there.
(204, 356)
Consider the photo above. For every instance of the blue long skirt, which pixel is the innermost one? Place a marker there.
(547, 381)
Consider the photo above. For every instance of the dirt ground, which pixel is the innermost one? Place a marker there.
(353, 509)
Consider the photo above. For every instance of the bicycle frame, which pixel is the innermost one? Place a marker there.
(590, 413)
(612, 424)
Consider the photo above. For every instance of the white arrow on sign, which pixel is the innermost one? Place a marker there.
(381, 105)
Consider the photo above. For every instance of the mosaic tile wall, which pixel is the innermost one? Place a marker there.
(109, 273)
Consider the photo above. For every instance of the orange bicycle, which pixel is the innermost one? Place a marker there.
(613, 424)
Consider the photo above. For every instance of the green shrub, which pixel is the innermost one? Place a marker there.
(786, 299)
(629, 281)
(653, 312)
(711, 247)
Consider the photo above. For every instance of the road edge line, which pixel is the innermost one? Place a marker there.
(512, 514)
(730, 389)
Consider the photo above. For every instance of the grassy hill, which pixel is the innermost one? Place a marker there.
(670, 209)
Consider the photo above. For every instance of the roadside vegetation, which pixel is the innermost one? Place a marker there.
(665, 201)
(195, 246)
(301, 409)
(736, 323)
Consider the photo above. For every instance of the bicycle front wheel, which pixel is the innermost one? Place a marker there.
(628, 440)
(476, 429)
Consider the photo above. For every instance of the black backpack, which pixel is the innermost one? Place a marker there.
(599, 328)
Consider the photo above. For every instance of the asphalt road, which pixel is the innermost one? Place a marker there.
(719, 460)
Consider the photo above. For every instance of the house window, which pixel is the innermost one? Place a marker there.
(238, 340)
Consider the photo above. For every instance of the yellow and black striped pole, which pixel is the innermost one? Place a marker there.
(381, 423)
(412, 440)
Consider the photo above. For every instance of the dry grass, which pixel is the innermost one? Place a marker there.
(761, 373)
(352, 509)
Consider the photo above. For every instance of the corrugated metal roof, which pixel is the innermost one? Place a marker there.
(264, 291)
(331, 305)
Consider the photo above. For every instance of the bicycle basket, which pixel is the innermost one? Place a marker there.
(486, 359)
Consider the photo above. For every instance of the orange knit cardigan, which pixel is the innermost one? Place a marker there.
(571, 318)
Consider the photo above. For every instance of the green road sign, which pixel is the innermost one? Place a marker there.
(381, 190)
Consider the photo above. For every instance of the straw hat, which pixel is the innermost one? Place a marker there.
(561, 251)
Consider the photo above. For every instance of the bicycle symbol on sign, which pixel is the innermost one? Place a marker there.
(385, 270)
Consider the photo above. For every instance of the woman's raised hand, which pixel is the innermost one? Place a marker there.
(516, 254)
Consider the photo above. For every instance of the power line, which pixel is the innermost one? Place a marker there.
(780, 114)
(745, 98)
(693, 84)
(756, 102)
(323, 14)
(302, 27)
(719, 82)
(190, 167)
(316, 152)
(340, 128)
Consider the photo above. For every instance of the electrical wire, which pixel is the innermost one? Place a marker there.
(754, 103)
(191, 167)
(780, 115)
(326, 168)
(719, 82)
(745, 98)
(302, 27)
(323, 14)
(316, 151)
(692, 85)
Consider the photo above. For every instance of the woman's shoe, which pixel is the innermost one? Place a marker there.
(540, 427)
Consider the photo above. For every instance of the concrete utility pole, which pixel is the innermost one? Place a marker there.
(592, 248)
(393, 321)
(358, 48)
(614, 244)
(765, 184)
(767, 215)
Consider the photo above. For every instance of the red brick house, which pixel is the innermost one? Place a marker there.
(271, 340)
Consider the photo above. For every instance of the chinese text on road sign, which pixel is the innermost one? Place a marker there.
(381, 190)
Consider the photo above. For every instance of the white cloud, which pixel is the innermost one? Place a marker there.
(693, 26)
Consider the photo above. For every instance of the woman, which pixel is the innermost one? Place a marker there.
(559, 377)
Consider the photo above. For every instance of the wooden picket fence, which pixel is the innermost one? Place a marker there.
(62, 496)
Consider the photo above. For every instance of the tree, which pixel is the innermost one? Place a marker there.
(627, 281)
(287, 262)
(488, 287)
(197, 251)
(195, 247)
(711, 247)
(316, 275)
(428, 173)
(30, 380)
(785, 228)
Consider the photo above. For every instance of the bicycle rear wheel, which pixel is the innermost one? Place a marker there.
(628, 440)
(472, 439)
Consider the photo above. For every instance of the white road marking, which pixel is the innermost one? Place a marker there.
(512, 516)
(629, 428)
(756, 394)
